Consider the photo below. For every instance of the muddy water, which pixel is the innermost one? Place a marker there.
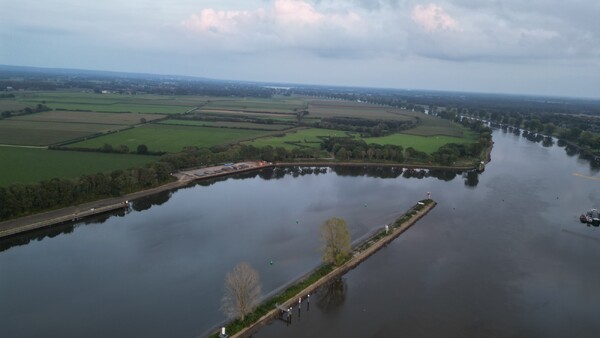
(502, 254)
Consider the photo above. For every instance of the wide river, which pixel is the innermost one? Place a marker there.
(502, 255)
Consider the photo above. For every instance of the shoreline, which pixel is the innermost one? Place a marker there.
(185, 178)
(360, 252)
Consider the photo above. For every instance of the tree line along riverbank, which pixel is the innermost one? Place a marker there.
(77, 211)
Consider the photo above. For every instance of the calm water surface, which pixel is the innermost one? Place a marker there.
(503, 254)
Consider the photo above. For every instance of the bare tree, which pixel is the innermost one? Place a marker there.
(242, 291)
(336, 241)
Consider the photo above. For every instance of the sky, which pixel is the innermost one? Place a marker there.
(541, 47)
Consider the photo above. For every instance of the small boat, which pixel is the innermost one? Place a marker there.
(591, 217)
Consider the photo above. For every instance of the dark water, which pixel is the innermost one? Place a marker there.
(503, 254)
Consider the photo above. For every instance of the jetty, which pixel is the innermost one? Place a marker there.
(361, 251)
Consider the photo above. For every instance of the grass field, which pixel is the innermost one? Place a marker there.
(171, 138)
(11, 105)
(428, 144)
(311, 138)
(337, 108)
(71, 100)
(225, 124)
(39, 133)
(305, 137)
(281, 105)
(432, 126)
(244, 114)
(24, 165)
(88, 117)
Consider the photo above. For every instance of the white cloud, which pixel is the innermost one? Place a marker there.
(284, 24)
(343, 40)
(433, 18)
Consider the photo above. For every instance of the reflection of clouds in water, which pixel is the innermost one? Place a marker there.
(320, 206)
(588, 237)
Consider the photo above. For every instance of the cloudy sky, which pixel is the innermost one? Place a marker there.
(507, 46)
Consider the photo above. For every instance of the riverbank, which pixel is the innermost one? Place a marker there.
(184, 178)
(54, 217)
(326, 274)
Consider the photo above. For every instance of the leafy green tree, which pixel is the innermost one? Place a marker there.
(336, 241)
(142, 149)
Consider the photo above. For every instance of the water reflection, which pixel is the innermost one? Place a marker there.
(146, 202)
(471, 179)
(332, 295)
(38, 235)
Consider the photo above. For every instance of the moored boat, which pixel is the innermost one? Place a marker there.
(591, 217)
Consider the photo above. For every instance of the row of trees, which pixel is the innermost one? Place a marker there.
(581, 130)
(22, 199)
(27, 110)
(141, 149)
(367, 127)
(347, 148)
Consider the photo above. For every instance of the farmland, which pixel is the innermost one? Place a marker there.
(171, 138)
(301, 138)
(25, 165)
(336, 108)
(274, 105)
(433, 126)
(38, 133)
(70, 100)
(225, 124)
(88, 117)
(86, 120)
(421, 143)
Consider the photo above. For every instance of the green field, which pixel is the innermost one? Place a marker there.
(304, 137)
(244, 114)
(428, 144)
(433, 126)
(337, 108)
(71, 100)
(280, 105)
(25, 165)
(313, 136)
(11, 105)
(37, 133)
(88, 117)
(171, 138)
(225, 124)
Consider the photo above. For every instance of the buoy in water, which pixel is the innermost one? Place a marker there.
(271, 263)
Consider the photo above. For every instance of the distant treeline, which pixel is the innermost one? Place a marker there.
(347, 148)
(367, 127)
(582, 130)
(27, 110)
